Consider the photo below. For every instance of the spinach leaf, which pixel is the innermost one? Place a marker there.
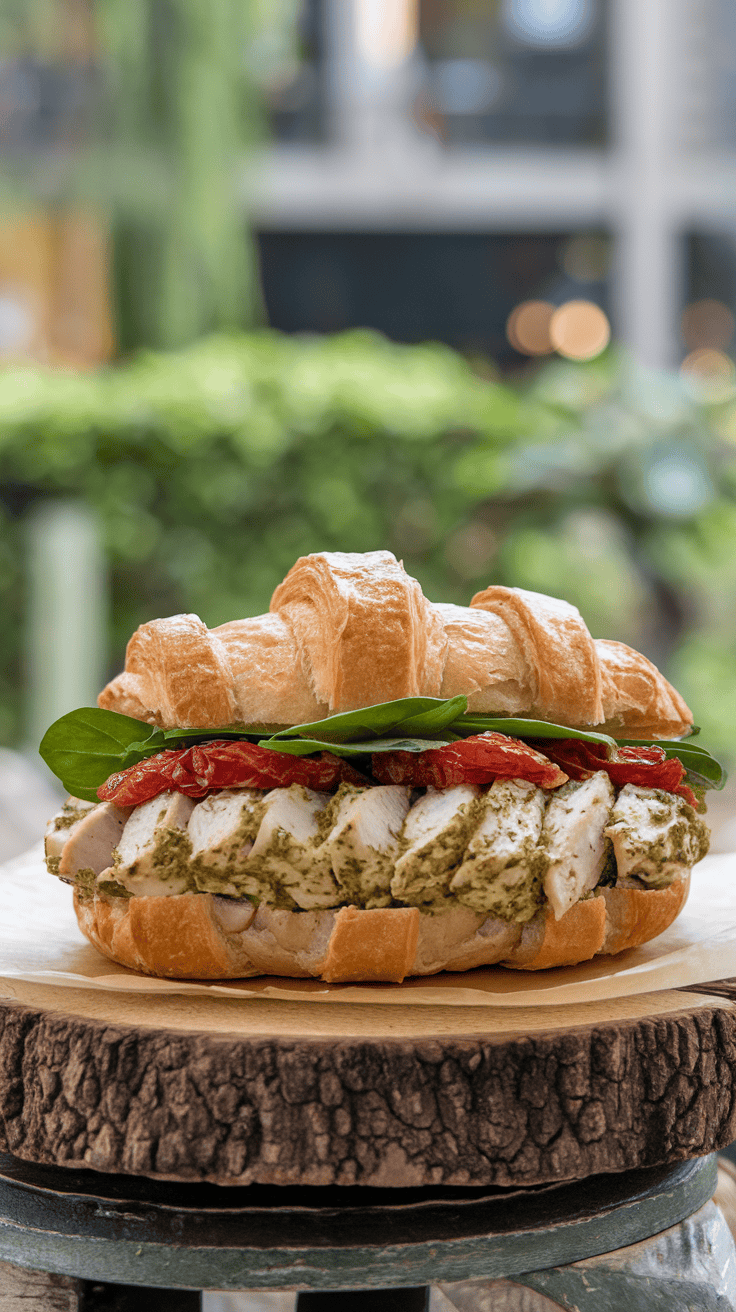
(184, 737)
(472, 724)
(86, 746)
(433, 720)
(307, 746)
(407, 714)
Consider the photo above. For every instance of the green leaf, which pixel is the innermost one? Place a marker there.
(187, 736)
(472, 724)
(86, 746)
(433, 720)
(406, 715)
(306, 746)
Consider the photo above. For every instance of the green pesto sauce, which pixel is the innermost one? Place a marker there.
(424, 881)
(85, 881)
(111, 888)
(327, 817)
(172, 851)
(364, 885)
(284, 866)
(170, 859)
(609, 872)
(227, 854)
(234, 880)
(68, 815)
(513, 893)
(685, 842)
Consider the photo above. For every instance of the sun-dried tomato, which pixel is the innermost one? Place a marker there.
(549, 762)
(207, 767)
(476, 760)
(649, 767)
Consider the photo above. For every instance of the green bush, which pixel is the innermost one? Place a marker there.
(214, 468)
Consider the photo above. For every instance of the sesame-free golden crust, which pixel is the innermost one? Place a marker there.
(577, 936)
(638, 702)
(637, 915)
(347, 630)
(563, 674)
(178, 671)
(175, 937)
(365, 629)
(380, 943)
(269, 680)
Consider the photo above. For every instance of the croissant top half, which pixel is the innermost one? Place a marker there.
(346, 630)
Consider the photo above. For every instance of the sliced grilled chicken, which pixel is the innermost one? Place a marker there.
(500, 871)
(656, 835)
(88, 841)
(285, 856)
(363, 843)
(222, 829)
(436, 831)
(61, 826)
(152, 856)
(573, 834)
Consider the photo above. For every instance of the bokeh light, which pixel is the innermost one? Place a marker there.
(707, 323)
(386, 33)
(561, 24)
(579, 330)
(709, 375)
(677, 485)
(527, 328)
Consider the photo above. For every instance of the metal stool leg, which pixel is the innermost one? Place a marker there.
(365, 1300)
(95, 1297)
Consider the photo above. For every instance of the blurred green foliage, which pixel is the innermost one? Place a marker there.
(182, 110)
(150, 112)
(212, 469)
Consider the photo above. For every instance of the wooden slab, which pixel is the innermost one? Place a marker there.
(236, 1092)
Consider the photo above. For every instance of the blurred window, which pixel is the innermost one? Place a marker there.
(516, 70)
(726, 48)
(708, 321)
(712, 89)
(289, 64)
(459, 288)
(49, 81)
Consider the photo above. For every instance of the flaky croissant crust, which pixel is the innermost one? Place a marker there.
(346, 630)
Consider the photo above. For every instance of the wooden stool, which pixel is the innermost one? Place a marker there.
(364, 1148)
(117, 1244)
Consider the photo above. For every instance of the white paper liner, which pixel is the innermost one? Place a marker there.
(41, 943)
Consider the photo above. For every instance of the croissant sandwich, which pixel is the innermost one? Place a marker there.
(364, 785)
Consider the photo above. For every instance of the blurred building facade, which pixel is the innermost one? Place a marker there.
(54, 255)
(432, 165)
(438, 161)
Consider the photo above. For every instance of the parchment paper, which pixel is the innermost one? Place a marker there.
(41, 943)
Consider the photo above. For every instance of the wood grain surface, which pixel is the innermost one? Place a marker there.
(237, 1092)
